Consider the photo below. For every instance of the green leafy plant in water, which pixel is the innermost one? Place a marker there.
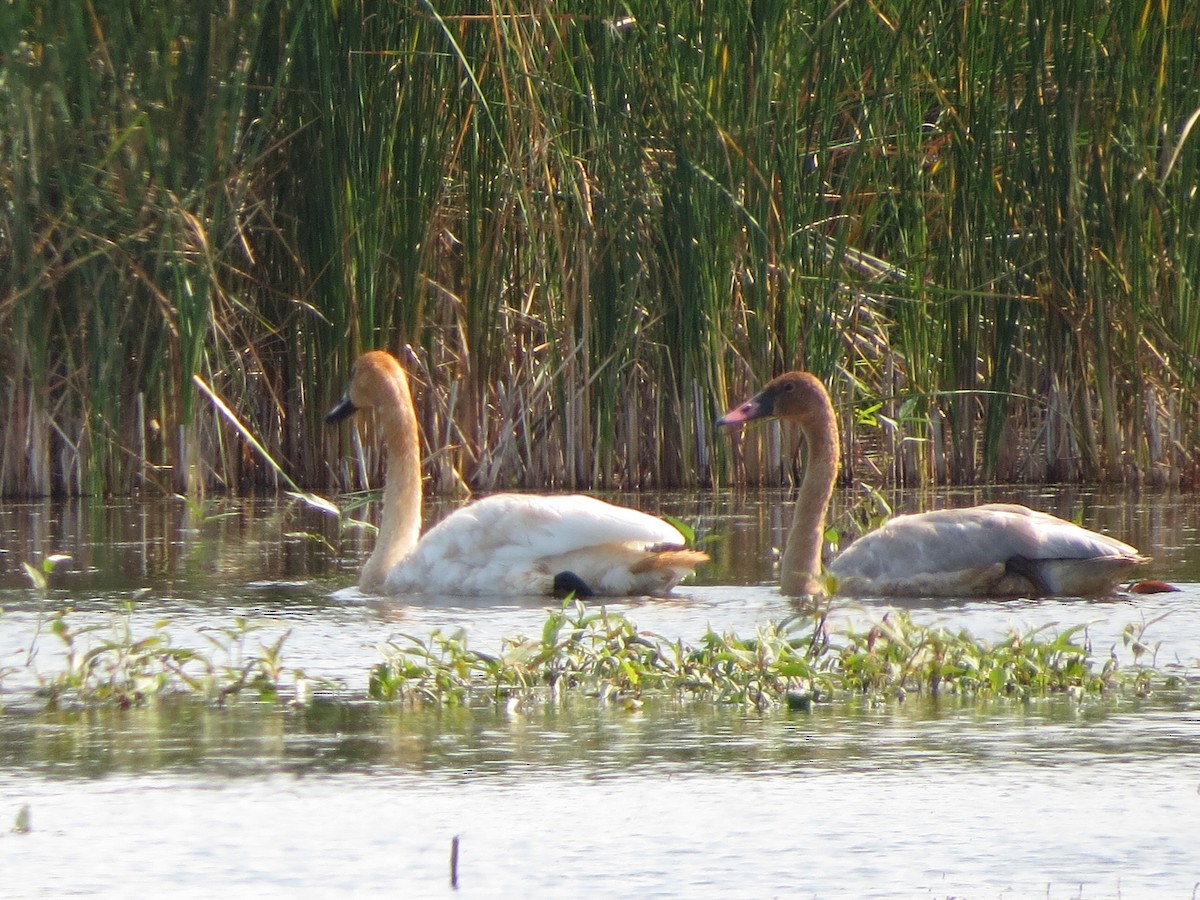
(870, 512)
(39, 579)
(434, 671)
(798, 660)
(107, 663)
(896, 655)
(1134, 639)
(780, 658)
(39, 575)
(604, 654)
(119, 669)
(354, 502)
(201, 511)
(688, 532)
(262, 673)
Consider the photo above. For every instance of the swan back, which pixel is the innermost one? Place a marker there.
(514, 544)
(997, 549)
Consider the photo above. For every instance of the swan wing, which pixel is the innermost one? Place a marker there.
(1059, 539)
(541, 525)
(972, 551)
(516, 543)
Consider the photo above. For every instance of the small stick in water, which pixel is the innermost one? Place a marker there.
(454, 862)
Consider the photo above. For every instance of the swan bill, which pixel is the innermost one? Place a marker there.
(757, 407)
(343, 410)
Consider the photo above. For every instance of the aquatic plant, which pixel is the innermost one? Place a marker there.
(24, 820)
(590, 651)
(798, 660)
(107, 663)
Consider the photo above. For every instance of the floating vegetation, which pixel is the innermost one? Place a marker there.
(24, 821)
(107, 663)
(592, 652)
(796, 661)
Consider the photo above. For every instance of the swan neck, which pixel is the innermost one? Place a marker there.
(801, 564)
(400, 520)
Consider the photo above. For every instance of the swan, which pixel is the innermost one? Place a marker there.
(505, 544)
(998, 549)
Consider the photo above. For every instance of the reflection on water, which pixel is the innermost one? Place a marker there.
(585, 736)
(933, 798)
(944, 799)
(238, 542)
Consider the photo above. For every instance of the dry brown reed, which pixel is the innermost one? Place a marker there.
(587, 234)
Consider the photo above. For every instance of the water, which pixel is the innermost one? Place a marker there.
(1047, 799)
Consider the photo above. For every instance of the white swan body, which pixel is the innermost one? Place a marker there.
(997, 549)
(517, 543)
(506, 544)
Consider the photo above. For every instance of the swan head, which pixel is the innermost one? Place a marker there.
(373, 384)
(798, 396)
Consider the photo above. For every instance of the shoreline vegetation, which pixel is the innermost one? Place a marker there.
(586, 233)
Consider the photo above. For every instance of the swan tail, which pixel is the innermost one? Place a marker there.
(685, 560)
(660, 570)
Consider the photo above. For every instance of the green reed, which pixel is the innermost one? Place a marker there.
(587, 233)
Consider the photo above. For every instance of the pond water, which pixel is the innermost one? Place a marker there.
(347, 797)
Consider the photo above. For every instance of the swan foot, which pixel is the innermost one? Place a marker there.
(568, 583)
(1151, 587)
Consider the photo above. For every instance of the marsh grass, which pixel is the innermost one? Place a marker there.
(587, 234)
